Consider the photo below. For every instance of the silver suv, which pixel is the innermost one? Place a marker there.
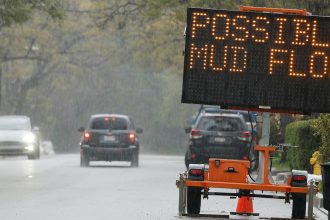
(18, 138)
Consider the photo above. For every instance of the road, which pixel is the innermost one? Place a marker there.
(55, 187)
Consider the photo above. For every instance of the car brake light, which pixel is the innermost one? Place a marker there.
(245, 157)
(193, 156)
(131, 137)
(245, 136)
(195, 134)
(87, 136)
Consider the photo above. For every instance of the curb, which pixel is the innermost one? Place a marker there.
(318, 203)
(282, 177)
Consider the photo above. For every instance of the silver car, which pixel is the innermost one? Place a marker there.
(18, 138)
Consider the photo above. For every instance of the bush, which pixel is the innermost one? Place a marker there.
(320, 187)
(301, 134)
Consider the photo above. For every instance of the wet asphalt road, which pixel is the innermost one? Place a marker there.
(56, 187)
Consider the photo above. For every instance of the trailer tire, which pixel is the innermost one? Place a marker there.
(298, 205)
(84, 159)
(135, 159)
(193, 200)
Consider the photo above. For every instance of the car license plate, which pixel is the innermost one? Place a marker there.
(109, 138)
(220, 139)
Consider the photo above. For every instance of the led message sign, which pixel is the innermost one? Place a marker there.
(249, 60)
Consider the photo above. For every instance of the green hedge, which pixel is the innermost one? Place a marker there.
(300, 134)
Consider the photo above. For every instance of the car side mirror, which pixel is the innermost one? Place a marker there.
(187, 129)
(81, 129)
(35, 129)
(139, 130)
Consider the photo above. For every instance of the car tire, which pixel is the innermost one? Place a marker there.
(298, 205)
(84, 159)
(186, 162)
(135, 159)
(31, 157)
(194, 200)
(37, 154)
(34, 156)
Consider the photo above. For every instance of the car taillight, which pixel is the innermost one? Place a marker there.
(195, 134)
(131, 137)
(245, 136)
(87, 136)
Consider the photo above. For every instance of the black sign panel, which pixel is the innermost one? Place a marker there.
(250, 60)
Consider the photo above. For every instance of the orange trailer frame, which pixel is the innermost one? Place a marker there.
(264, 186)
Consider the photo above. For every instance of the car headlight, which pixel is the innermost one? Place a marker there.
(29, 148)
(29, 138)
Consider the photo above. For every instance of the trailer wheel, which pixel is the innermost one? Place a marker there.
(298, 205)
(135, 159)
(193, 200)
(84, 159)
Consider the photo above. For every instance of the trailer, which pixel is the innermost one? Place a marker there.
(200, 179)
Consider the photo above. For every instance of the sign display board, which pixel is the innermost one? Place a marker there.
(257, 60)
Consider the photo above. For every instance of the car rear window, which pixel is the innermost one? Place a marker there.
(220, 123)
(109, 123)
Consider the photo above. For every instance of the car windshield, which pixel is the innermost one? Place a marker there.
(109, 123)
(220, 123)
(14, 124)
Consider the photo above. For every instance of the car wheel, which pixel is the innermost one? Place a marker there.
(31, 157)
(34, 156)
(38, 154)
(193, 200)
(186, 160)
(298, 205)
(84, 159)
(135, 159)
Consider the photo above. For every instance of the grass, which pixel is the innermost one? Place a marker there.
(280, 166)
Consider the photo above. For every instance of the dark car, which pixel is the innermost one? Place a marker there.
(110, 137)
(217, 135)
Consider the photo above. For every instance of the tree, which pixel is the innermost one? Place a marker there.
(322, 128)
(19, 11)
